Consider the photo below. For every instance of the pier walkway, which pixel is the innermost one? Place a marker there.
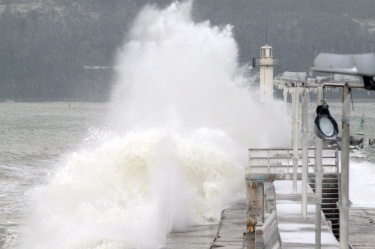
(293, 230)
(230, 233)
(362, 228)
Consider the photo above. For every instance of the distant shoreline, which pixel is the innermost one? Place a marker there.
(53, 101)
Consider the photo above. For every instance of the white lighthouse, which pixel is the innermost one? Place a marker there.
(266, 63)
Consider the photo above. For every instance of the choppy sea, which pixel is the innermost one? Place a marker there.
(38, 138)
(168, 151)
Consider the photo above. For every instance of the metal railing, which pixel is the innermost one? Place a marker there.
(280, 160)
(265, 62)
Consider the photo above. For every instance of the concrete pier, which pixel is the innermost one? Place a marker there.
(232, 230)
(229, 233)
(362, 228)
(295, 231)
(284, 225)
(193, 237)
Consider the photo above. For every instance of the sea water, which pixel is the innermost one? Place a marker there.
(35, 139)
(169, 151)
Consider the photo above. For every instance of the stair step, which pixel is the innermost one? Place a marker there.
(329, 210)
(328, 190)
(332, 215)
(329, 200)
(331, 185)
(325, 179)
(335, 226)
(325, 184)
(329, 213)
(330, 195)
(329, 206)
(334, 221)
(325, 174)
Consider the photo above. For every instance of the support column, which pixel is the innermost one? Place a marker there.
(318, 178)
(305, 134)
(295, 137)
(344, 202)
(254, 204)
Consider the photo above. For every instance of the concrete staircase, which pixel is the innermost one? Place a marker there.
(330, 196)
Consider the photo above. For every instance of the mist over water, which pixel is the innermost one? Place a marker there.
(182, 117)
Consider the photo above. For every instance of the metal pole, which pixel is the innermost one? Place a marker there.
(305, 133)
(344, 203)
(295, 137)
(318, 179)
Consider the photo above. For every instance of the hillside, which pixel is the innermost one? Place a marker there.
(50, 49)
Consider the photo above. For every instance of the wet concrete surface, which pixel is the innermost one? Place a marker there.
(230, 233)
(362, 228)
(194, 237)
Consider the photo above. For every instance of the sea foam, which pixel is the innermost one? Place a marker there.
(182, 117)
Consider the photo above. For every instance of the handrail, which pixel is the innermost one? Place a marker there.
(277, 160)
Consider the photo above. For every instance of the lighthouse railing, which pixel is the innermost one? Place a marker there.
(265, 62)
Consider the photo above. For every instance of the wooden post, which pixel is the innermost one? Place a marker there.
(254, 204)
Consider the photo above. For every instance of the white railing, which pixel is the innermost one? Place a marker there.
(280, 160)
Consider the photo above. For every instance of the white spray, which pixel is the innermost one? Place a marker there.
(182, 122)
